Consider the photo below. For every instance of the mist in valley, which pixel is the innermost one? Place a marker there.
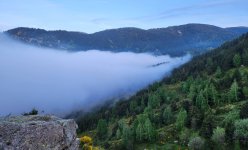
(59, 82)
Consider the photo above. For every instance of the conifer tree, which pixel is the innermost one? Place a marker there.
(118, 133)
(201, 102)
(149, 130)
(192, 91)
(214, 94)
(245, 57)
(233, 93)
(218, 72)
(167, 115)
(236, 60)
(127, 137)
(140, 132)
(181, 117)
(102, 129)
(153, 100)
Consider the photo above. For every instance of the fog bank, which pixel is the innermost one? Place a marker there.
(59, 82)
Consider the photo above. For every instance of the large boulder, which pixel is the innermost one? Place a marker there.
(37, 132)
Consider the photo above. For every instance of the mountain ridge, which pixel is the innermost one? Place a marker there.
(173, 40)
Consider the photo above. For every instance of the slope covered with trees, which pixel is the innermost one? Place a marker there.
(203, 105)
(175, 40)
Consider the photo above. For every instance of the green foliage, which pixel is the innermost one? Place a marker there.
(236, 60)
(214, 95)
(167, 115)
(102, 128)
(245, 91)
(233, 92)
(118, 133)
(127, 137)
(154, 100)
(181, 118)
(218, 72)
(192, 91)
(218, 136)
(196, 143)
(231, 117)
(229, 132)
(201, 102)
(133, 106)
(244, 111)
(207, 125)
(150, 132)
(241, 131)
(204, 98)
(245, 57)
(32, 112)
(145, 130)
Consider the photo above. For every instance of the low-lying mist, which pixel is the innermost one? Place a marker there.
(59, 82)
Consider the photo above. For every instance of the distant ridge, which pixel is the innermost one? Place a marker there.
(174, 40)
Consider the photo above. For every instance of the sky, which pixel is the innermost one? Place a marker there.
(95, 15)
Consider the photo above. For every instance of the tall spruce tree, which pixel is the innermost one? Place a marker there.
(167, 115)
(236, 60)
(102, 128)
(181, 118)
(233, 92)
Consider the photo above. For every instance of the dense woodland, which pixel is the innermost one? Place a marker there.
(203, 105)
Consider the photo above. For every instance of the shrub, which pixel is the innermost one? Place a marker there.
(86, 139)
(244, 111)
(231, 117)
(219, 135)
(241, 131)
(196, 143)
(86, 143)
(32, 112)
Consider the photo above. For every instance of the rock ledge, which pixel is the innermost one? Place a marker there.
(38, 132)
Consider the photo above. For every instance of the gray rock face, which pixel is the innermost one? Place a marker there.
(37, 133)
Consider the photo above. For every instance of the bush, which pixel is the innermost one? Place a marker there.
(196, 143)
(241, 131)
(231, 117)
(244, 111)
(32, 112)
(219, 135)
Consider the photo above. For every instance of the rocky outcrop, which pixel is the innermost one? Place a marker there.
(37, 132)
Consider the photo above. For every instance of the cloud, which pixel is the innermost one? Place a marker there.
(186, 10)
(59, 82)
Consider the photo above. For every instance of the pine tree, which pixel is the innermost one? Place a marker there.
(207, 125)
(142, 105)
(118, 133)
(149, 130)
(102, 128)
(127, 137)
(167, 115)
(140, 132)
(214, 94)
(201, 102)
(192, 92)
(245, 57)
(233, 93)
(181, 118)
(153, 100)
(218, 72)
(236, 60)
(133, 106)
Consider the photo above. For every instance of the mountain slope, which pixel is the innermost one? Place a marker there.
(175, 40)
(203, 105)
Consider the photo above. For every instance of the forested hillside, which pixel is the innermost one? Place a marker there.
(174, 40)
(203, 105)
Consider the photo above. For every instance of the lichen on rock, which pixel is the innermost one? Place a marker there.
(38, 132)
